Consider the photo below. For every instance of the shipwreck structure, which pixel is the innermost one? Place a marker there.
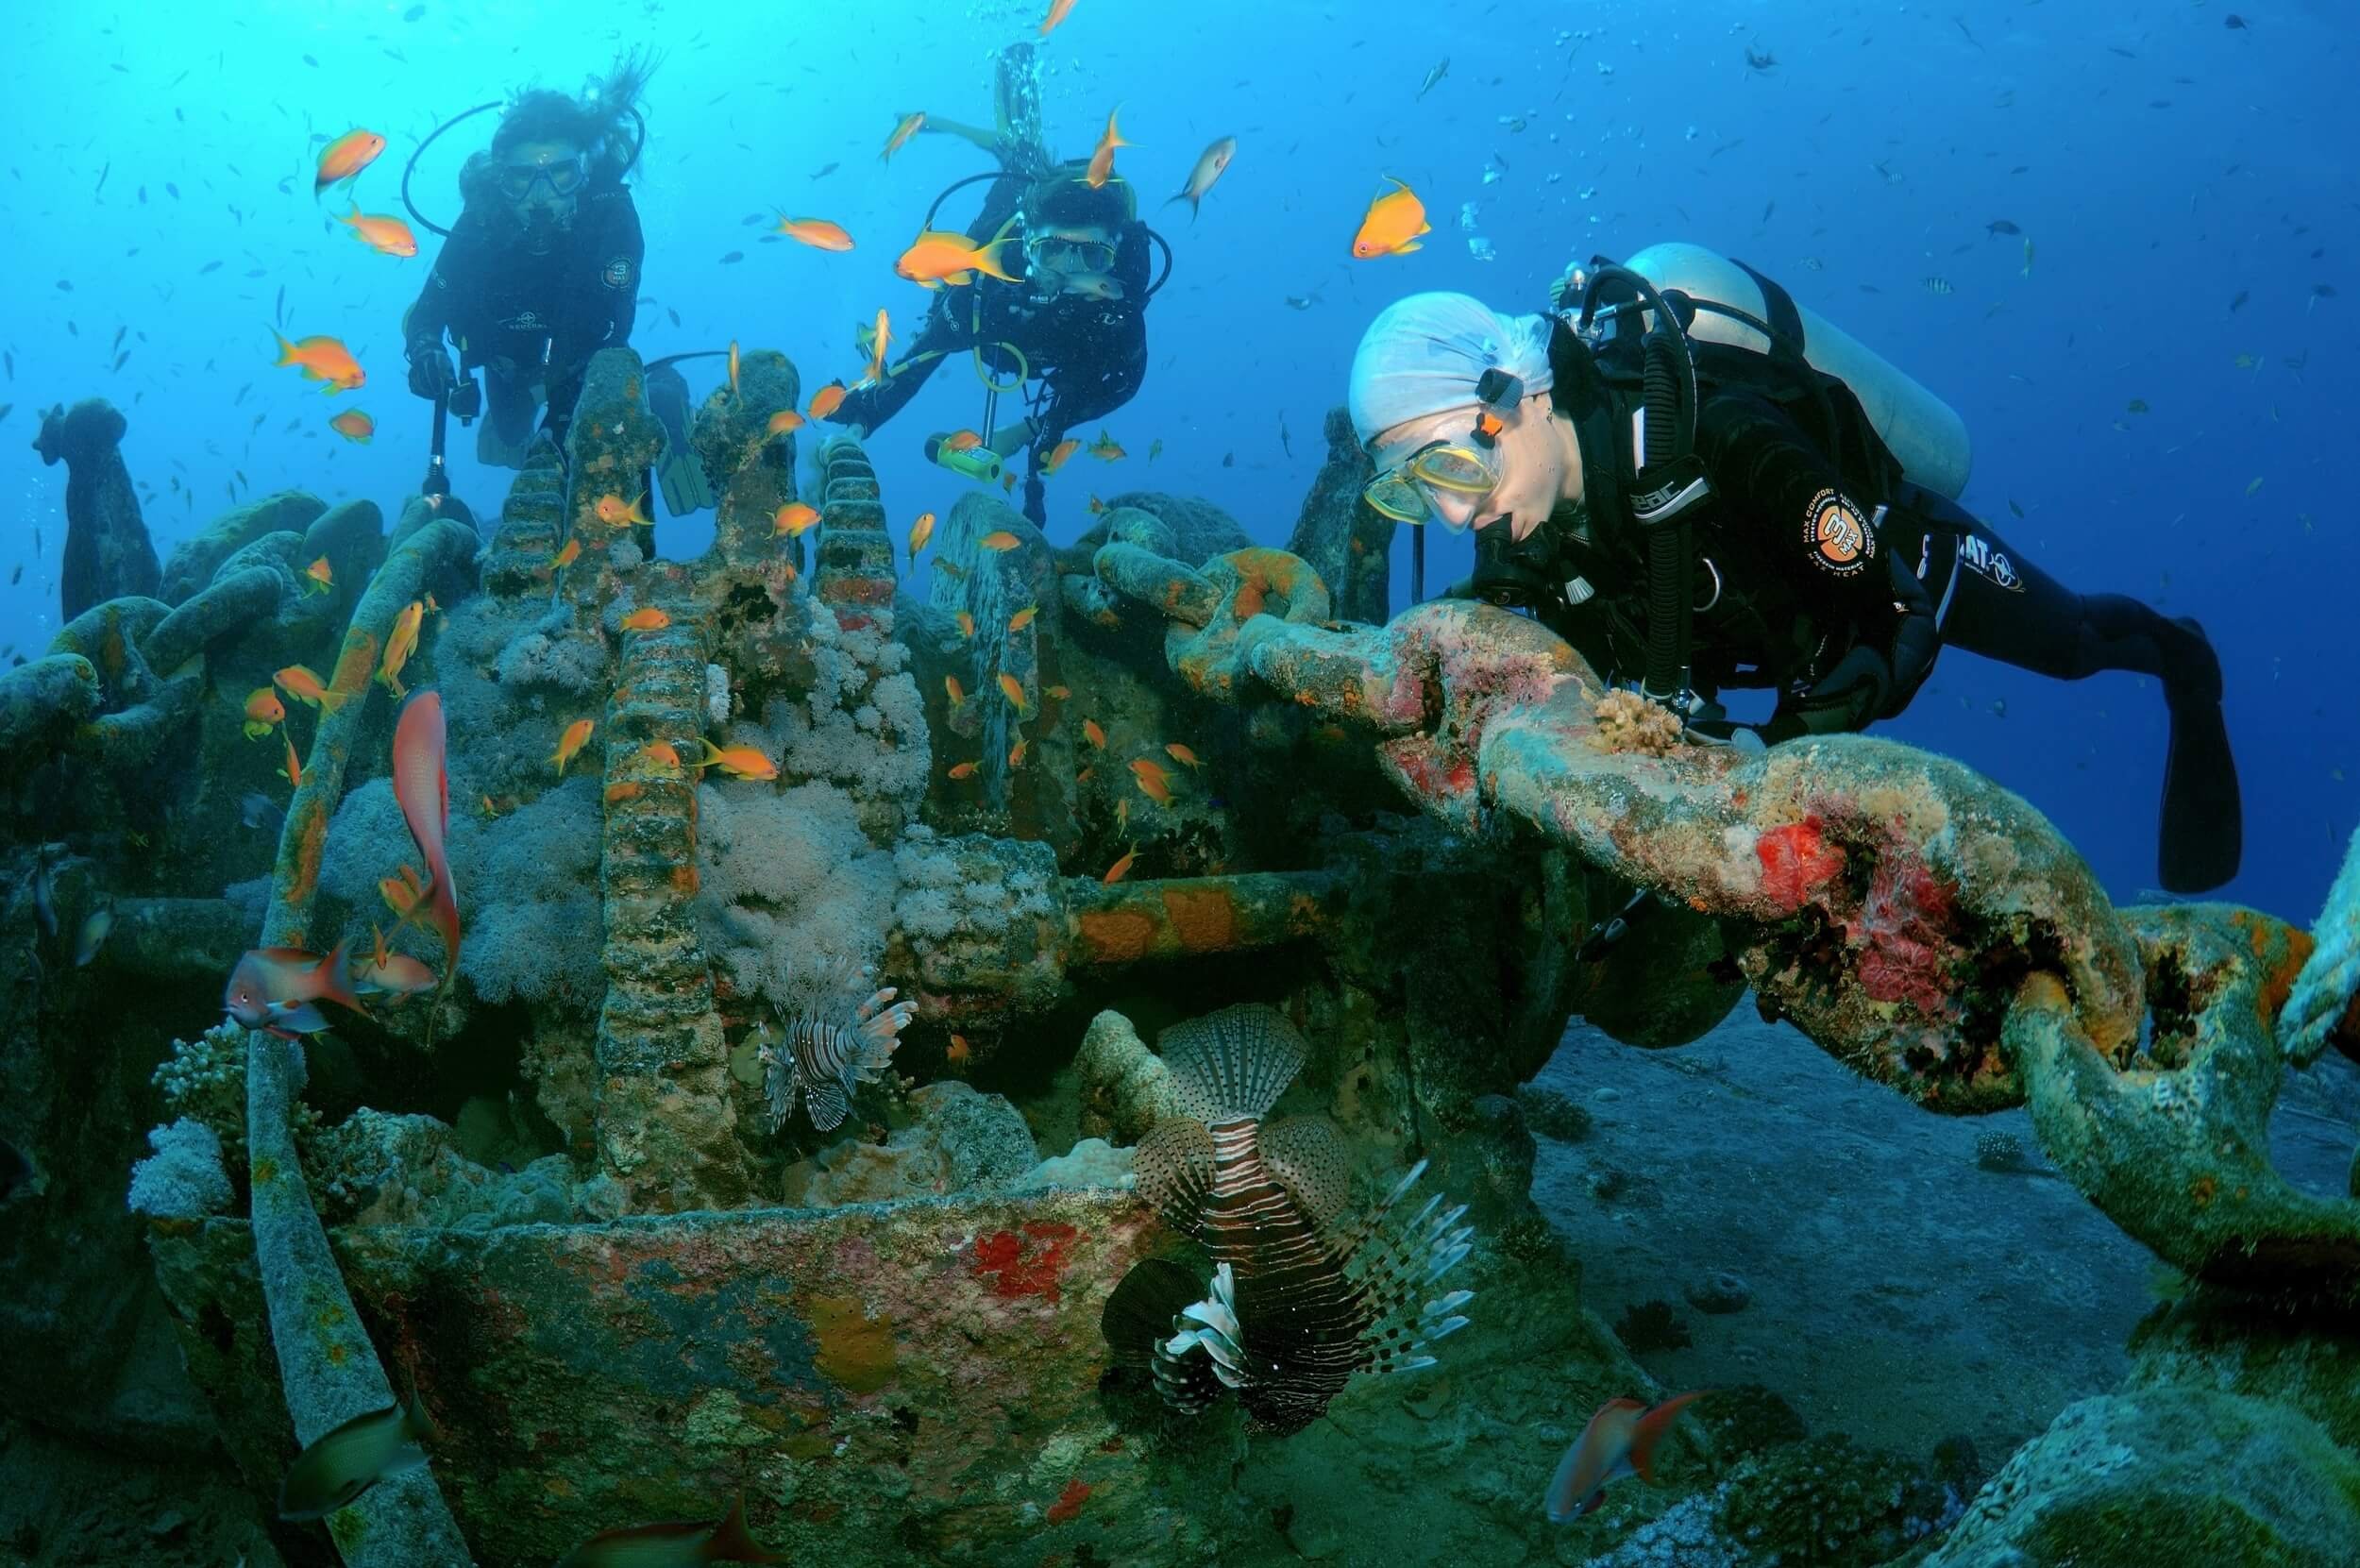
(1074, 795)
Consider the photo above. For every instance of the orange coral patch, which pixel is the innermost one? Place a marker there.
(1204, 919)
(1069, 1504)
(1117, 936)
(626, 790)
(355, 664)
(310, 842)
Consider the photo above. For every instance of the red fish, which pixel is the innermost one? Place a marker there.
(423, 788)
(682, 1541)
(1620, 1441)
(275, 988)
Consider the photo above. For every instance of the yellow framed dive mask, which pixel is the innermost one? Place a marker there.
(1421, 486)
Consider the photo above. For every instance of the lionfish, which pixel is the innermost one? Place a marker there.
(1299, 1301)
(823, 1052)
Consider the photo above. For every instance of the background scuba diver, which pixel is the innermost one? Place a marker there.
(1075, 317)
(542, 268)
(1797, 578)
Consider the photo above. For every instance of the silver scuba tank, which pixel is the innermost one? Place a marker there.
(1924, 434)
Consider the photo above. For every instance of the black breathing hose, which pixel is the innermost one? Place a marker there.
(1670, 549)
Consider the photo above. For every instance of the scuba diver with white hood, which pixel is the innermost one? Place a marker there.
(1702, 486)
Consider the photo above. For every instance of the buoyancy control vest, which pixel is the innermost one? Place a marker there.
(1667, 566)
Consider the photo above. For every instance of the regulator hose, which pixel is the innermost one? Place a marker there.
(1671, 546)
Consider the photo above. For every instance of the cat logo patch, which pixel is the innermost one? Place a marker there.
(1838, 537)
(618, 273)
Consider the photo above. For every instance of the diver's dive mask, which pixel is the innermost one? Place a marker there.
(1443, 477)
(1068, 253)
(565, 176)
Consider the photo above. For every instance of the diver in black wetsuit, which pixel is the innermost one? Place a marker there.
(1073, 325)
(542, 269)
(1766, 505)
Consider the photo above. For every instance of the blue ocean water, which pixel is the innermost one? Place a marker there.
(2186, 185)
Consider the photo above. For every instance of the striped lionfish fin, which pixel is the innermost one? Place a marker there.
(1308, 1160)
(1143, 1306)
(824, 1099)
(1395, 1265)
(1211, 1326)
(1174, 1166)
(1234, 1062)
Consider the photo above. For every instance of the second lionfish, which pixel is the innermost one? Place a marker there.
(830, 1045)
(1299, 1300)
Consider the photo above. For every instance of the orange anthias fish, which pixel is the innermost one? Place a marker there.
(966, 623)
(1115, 872)
(1180, 754)
(950, 689)
(1013, 690)
(320, 576)
(1393, 223)
(345, 157)
(1016, 753)
(1103, 160)
(960, 440)
(827, 400)
(1023, 617)
(354, 426)
(387, 236)
(1061, 693)
(732, 368)
(676, 1543)
(569, 745)
(785, 422)
(404, 894)
(1058, 12)
(1620, 1441)
(566, 557)
(648, 619)
(1105, 448)
(293, 771)
(1094, 732)
(422, 786)
(322, 359)
(739, 762)
(1209, 164)
(999, 539)
(940, 256)
(962, 770)
(394, 973)
(877, 357)
(818, 233)
(263, 712)
(276, 990)
(920, 532)
(1154, 781)
(661, 753)
(958, 1051)
(398, 646)
(1059, 453)
(1097, 506)
(299, 682)
(910, 126)
(616, 512)
(795, 519)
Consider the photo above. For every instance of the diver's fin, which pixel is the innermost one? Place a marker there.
(2202, 835)
(679, 472)
(2203, 820)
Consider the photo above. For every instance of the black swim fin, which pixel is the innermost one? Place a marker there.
(2202, 837)
(679, 472)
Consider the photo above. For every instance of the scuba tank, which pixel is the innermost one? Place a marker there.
(1923, 433)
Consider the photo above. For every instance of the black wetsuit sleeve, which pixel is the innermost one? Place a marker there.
(1767, 468)
(604, 306)
(1109, 363)
(450, 283)
(870, 406)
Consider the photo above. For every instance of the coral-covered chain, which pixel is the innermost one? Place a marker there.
(1915, 920)
(325, 1362)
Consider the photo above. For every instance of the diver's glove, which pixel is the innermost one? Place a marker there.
(432, 373)
(1845, 699)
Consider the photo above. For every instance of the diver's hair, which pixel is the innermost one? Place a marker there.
(600, 121)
